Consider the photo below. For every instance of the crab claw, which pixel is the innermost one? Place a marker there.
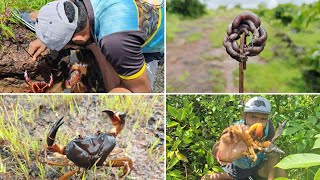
(258, 128)
(51, 80)
(26, 77)
(117, 119)
(53, 131)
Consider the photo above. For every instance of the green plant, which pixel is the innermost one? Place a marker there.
(191, 8)
(194, 124)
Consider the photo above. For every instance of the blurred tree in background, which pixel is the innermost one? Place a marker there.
(190, 8)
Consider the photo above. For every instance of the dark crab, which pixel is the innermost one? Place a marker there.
(37, 87)
(93, 150)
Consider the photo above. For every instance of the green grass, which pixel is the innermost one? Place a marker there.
(184, 76)
(276, 76)
(172, 27)
(218, 80)
(194, 37)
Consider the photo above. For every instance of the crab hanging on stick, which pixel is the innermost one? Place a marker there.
(86, 152)
(37, 87)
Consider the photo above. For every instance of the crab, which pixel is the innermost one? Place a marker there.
(251, 136)
(73, 83)
(251, 140)
(86, 152)
(37, 87)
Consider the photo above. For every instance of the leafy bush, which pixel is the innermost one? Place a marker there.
(194, 124)
(190, 8)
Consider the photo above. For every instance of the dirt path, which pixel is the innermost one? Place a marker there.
(198, 67)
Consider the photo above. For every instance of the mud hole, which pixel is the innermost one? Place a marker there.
(142, 139)
(14, 60)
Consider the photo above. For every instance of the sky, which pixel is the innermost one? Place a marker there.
(213, 4)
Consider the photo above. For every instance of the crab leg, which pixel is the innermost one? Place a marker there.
(51, 138)
(119, 162)
(68, 175)
(26, 77)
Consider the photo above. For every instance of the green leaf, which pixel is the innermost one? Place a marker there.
(313, 120)
(318, 114)
(281, 178)
(171, 111)
(175, 173)
(181, 157)
(303, 160)
(289, 131)
(210, 159)
(317, 176)
(317, 136)
(168, 138)
(173, 162)
(171, 124)
(316, 144)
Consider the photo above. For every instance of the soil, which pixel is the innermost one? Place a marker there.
(187, 59)
(14, 60)
(136, 141)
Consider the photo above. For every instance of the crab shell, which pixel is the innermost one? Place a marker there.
(90, 150)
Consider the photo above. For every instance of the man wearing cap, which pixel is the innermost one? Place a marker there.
(256, 110)
(126, 37)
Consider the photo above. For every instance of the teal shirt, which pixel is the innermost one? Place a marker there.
(114, 16)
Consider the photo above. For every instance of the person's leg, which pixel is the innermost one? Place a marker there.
(152, 68)
(152, 60)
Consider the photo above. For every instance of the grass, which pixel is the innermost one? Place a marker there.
(25, 121)
(172, 27)
(276, 76)
(218, 80)
(194, 37)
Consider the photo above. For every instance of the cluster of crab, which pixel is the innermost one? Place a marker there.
(252, 137)
(72, 84)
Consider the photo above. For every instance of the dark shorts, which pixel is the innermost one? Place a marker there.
(238, 173)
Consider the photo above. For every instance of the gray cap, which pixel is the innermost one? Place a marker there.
(258, 105)
(53, 27)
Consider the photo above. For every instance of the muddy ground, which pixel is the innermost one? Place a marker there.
(14, 60)
(138, 140)
(198, 67)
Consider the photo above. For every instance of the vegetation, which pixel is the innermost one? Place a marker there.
(195, 122)
(189, 8)
(6, 20)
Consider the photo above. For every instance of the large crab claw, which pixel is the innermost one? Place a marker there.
(117, 119)
(52, 136)
(73, 83)
(258, 127)
(37, 87)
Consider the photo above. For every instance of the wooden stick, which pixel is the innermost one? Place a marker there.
(241, 63)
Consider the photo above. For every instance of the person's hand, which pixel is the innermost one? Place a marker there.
(36, 47)
(92, 47)
(231, 146)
